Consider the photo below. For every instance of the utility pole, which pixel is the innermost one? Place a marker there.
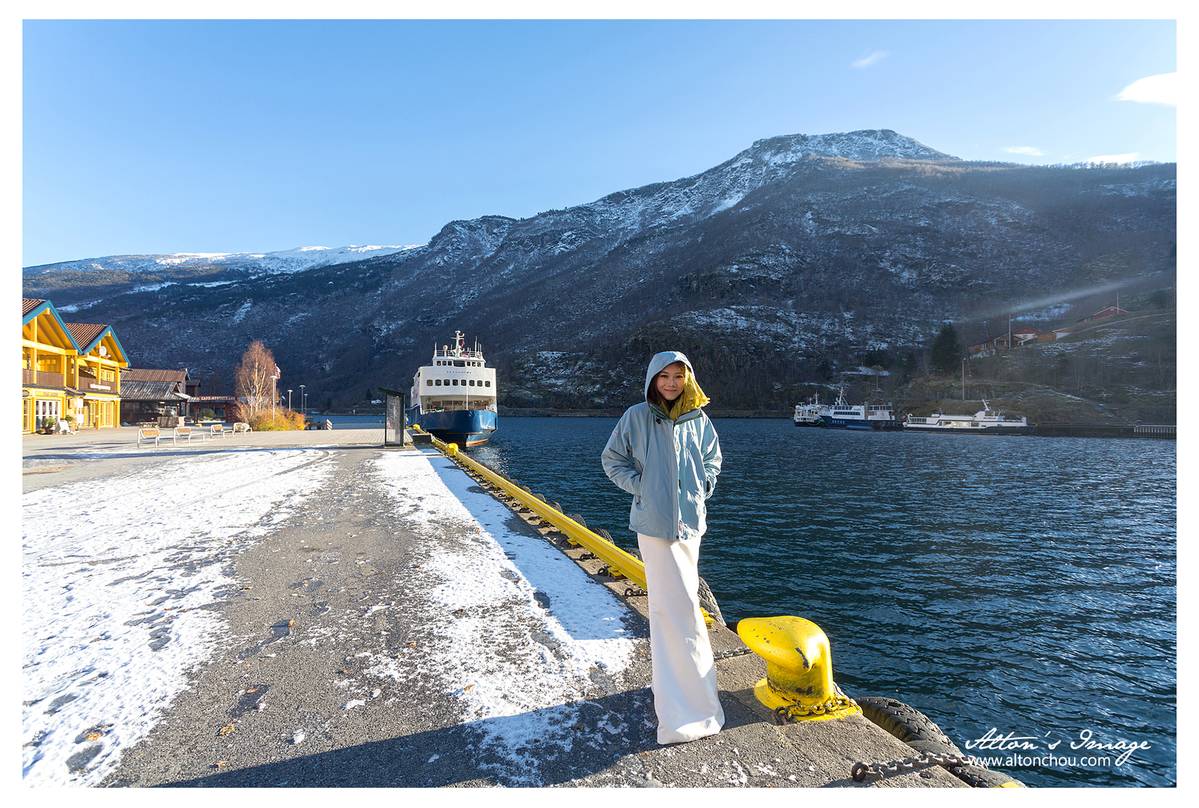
(963, 378)
(303, 401)
(289, 398)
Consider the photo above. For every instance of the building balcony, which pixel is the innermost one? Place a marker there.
(43, 378)
(90, 384)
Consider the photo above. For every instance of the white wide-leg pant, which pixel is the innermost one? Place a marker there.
(684, 674)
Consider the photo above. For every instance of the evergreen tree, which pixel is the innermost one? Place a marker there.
(946, 350)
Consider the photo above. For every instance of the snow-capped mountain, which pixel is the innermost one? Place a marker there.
(295, 260)
(798, 252)
(84, 282)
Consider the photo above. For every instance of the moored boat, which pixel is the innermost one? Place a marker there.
(454, 397)
(809, 414)
(843, 415)
(985, 422)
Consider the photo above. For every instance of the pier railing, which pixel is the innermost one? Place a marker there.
(620, 563)
(1159, 430)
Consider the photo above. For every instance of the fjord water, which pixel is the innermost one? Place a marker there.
(1016, 583)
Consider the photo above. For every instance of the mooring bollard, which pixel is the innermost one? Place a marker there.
(799, 682)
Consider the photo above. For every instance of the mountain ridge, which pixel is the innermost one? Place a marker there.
(801, 259)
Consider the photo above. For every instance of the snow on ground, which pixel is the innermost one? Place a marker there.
(520, 632)
(117, 577)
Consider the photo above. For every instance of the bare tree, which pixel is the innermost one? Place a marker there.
(256, 380)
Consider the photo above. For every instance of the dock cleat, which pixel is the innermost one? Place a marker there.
(799, 682)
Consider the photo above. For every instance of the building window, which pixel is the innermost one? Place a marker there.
(45, 408)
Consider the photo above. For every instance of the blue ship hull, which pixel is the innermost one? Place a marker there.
(464, 427)
(854, 423)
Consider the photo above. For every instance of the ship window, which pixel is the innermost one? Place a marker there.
(428, 382)
(458, 363)
(487, 383)
(437, 382)
(471, 382)
(454, 382)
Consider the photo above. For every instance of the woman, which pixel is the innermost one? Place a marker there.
(664, 451)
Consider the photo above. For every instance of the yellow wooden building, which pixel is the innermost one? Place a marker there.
(70, 368)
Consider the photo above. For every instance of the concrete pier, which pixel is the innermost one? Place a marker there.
(389, 623)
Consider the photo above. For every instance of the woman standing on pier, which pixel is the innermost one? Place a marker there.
(665, 452)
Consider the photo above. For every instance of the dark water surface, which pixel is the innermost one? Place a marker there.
(1017, 583)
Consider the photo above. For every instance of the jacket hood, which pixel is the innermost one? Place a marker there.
(661, 360)
(691, 398)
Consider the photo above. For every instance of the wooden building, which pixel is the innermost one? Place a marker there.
(149, 394)
(68, 368)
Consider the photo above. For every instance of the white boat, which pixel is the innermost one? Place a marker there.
(809, 414)
(843, 415)
(985, 421)
(454, 396)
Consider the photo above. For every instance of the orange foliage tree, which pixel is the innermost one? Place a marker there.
(255, 379)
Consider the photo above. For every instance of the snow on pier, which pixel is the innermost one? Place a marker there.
(117, 577)
(520, 628)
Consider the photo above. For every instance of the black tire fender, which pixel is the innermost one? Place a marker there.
(921, 733)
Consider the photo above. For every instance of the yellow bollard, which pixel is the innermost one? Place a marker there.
(799, 668)
(451, 449)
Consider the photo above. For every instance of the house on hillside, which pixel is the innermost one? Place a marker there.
(1024, 335)
(1105, 313)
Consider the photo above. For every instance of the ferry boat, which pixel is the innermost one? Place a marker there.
(984, 422)
(454, 397)
(843, 415)
(809, 414)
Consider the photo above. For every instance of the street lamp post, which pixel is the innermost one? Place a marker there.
(303, 400)
(289, 398)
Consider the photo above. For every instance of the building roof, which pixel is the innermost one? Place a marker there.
(33, 308)
(88, 335)
(153, 375)
(85, 333)
(139, 390)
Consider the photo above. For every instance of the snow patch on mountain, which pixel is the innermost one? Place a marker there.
(241, 313)
(298, 259)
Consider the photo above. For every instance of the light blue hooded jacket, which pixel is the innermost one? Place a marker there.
(669, 467)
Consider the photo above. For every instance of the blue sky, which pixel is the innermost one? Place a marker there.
(149, 137)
